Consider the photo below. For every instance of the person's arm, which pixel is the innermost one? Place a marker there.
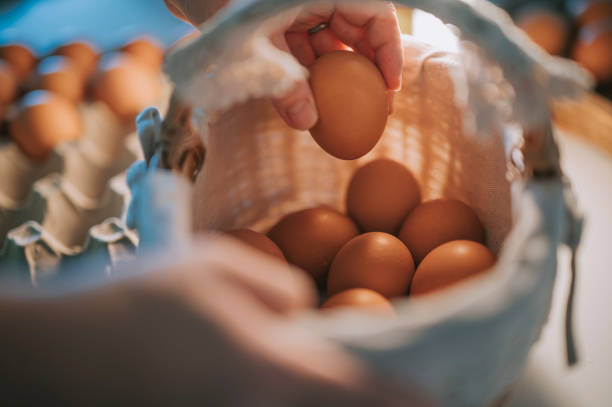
(208, 325)
(69, 351)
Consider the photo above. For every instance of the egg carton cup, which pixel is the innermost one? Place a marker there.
(19, 173)
(103, 134)
(33, 209)
(63, 199)
(472, 125)
(66, 214)
(86, 166)
(30, 255)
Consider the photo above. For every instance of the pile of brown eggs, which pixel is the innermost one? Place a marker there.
(40, 96)
(582, 30)
(389, 244)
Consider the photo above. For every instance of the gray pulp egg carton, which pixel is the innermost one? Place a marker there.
(70, 205)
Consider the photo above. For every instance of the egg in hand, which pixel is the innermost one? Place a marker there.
(352, 101)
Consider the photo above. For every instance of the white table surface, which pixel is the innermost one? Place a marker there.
(547, 381)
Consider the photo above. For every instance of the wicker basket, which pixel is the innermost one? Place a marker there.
(472, 126)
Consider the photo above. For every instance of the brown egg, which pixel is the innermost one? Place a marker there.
(83, 54)
(545, 27)
(310, 238)
(8, 83)
(593, 49)
(125, 86)
(589, 11)
(439, 221)
(381, 194)
(352, 101)
(450, 263)
(362, 299)
(20, 57)
(258, 241)
(61, 76)
(147, 51)
(374, 260)
(44, 120)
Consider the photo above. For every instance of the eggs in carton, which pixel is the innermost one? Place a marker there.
(63, 192)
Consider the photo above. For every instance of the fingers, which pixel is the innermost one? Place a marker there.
(352, 35)
(200, 271)
(371, 30)
(299, 44)
(308, 47)
(281, 288)
(325, 41)
(381, 34)
(296, 107)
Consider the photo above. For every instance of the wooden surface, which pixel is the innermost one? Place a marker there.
(589, 118)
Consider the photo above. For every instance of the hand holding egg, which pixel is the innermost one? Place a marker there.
(370, 30)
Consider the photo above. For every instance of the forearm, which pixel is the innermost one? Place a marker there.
(195, 11)
(55, 351)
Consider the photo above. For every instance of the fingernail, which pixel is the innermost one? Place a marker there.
(390, 101)
(302, 115)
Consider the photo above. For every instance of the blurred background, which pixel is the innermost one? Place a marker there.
(45, 24)
(74, 74)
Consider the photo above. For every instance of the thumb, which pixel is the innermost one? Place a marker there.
(297, 106)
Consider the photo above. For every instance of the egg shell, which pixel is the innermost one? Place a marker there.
(60, 75)
(125, 86)
(593, 49)
(439, 221)
(8, 83)
(83, 54)
(545, 27)
(589, 11)
(449, 264)
(362, 299)
(310, 238)
(374, 260)
(381, 194)
(351, 97)
(147, 51)
(259, 241)
(44, 120)
(20, 57)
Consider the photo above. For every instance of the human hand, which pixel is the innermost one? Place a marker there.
(210, 324)
(371, 29)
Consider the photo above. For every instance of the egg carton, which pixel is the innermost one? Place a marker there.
(31, 254)
(69, 204)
